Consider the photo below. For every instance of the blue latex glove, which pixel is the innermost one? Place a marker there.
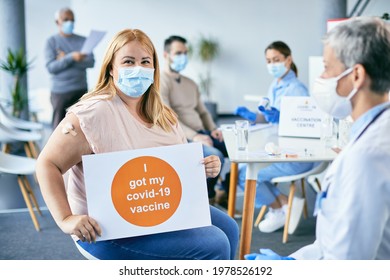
(271, 115)
(266, 254)
(245, 113)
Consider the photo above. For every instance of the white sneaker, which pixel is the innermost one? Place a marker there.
(273, 220)
(296, 213)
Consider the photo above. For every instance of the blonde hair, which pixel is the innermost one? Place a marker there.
(151, 107)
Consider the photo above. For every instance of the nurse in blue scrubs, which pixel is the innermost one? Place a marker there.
(286, 83)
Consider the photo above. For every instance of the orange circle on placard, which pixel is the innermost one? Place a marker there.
(146, 191)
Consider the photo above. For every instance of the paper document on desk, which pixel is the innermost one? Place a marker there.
(259, 126)
(91, 42)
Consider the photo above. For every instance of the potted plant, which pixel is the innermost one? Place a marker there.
(17, 65)
(207, 51)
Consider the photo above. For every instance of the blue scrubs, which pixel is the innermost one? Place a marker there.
(266, 192)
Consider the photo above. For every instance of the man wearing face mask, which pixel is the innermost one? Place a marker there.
(181, 94)
(353, 209)
(66, 65)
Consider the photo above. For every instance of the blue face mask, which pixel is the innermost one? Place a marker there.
(277, 70)
(135, 81)
(67, 27)
(179, 62)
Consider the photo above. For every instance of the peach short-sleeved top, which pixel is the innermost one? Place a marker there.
(109, 127)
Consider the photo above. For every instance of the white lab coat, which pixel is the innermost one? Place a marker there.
(353, 220)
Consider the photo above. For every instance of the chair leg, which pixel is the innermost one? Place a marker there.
(6, 148)
(318, 183)
(32, 195)
(27, 200)
(305, 215)
(261, 215)
(33, 149)
(27, 150)
(232, 189)
(290, 201)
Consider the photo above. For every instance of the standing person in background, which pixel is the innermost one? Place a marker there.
(281, 66)
(353, 209)
(66, 65)
(182, 95)
(124, 112)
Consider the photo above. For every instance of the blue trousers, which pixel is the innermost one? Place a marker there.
(266, 192)
(216, 242)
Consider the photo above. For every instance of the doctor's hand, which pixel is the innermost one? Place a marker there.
(212, 166)
(271, 115)
(266, 254)
(245, 113)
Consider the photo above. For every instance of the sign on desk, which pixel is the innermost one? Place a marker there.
(300, 117)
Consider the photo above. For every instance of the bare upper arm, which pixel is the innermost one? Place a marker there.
(66, 146)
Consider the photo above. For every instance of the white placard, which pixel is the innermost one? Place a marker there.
(146, 191)
(92, 40)
(300, 117)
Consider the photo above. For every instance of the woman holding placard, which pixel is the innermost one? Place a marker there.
(281, 66)
(124, 112)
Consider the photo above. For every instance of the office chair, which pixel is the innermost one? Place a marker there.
(292, 179)
(313, 172)
(17, 123)
(86, 255)
(21, 167)
(28, 138)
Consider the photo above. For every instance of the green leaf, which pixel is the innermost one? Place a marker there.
(17, 65)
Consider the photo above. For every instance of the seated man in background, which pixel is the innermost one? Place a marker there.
(181, 94)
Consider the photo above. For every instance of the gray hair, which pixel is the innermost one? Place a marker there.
(60, 12)
(365, 41)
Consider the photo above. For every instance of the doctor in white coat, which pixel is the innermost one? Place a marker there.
(353, 211)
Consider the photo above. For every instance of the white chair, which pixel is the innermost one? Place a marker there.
(285, 179)
(28, 138)
(315, 181)
(87, 255)
(13, 122)
(22, 167)
(40, 105)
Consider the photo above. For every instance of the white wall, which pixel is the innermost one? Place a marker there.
(40, 24)
(244, 28)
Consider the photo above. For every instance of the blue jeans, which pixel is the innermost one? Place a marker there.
(266, 192)
(216, 242)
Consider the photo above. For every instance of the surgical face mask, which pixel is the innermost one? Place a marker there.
(277, 70)
(135, 81)
(179, 62)
(325, 94)
(67, 27)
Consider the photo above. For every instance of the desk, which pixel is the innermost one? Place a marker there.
(306, 149)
